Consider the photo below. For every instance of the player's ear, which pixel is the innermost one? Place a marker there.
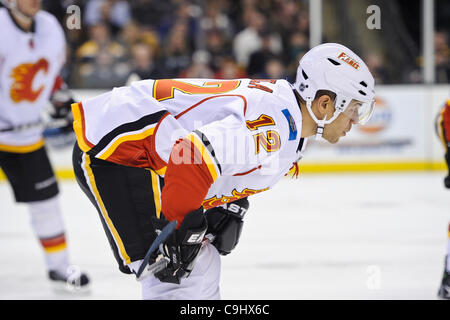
(325, 105)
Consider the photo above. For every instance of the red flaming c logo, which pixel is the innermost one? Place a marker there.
(23, 75)
(214, 201)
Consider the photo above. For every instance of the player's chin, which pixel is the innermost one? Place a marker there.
(332, 140)
(35, 6)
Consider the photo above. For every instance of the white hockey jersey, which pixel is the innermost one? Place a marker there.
(248, 131)
(29, 64)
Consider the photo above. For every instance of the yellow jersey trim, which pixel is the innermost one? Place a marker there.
(101, 205)
(210, 163)
(130, 137)
(22, 149)
(156, 193)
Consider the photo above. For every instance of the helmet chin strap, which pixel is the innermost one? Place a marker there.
(320, 128)
(320, 123)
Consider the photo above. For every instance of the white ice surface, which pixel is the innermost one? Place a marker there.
(342, 236)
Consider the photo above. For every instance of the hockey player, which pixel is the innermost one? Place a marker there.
(168, 149)
(32, 52)
(443, 131)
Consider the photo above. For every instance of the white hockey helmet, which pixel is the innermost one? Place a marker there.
(336, 68)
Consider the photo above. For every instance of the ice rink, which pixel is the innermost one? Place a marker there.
(322, 236)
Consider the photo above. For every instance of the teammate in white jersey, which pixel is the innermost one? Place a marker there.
(443, 131)
(32, 52)
(168, 149)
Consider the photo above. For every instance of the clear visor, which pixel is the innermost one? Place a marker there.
(360, 112)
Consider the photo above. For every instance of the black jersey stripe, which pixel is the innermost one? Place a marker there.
(208, 147)
(127, 127)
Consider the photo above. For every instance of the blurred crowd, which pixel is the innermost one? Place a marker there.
(442, 57)
(122, 40)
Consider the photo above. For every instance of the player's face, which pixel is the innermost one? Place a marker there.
(29, 7)
(342, 124)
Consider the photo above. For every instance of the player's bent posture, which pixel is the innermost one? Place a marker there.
(164, 150)
(32, 52)
(443, 131)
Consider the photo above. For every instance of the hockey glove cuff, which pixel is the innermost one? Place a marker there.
(225, 224)
(182, 247)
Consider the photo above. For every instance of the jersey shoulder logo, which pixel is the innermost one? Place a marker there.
(23, 75)
(291, 123)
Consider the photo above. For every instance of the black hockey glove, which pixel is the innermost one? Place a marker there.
(225, 224)
(59, 123)
(61, 101)
(182, 246)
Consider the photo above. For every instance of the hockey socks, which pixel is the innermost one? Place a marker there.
(47, 224)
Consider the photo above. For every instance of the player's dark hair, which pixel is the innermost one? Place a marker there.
(329, 93)
(319, 93)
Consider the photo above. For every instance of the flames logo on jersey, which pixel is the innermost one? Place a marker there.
(214, 201)
(23, 75)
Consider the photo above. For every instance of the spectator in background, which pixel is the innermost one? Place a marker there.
(116, 13)
(271, 45)
(286, 14)
(100, 61)
(184, 13)
(274, 69)
(302, 22)
(376, 66)
(130, 34)
(189, 15)
(287, 17)
(174, 29)
(296, 47)
(230, 69)
(99, 38)
(150, 13)
(177, 50)
(214, 19)
(143, 62)
(248, 40)
(442, 57)
(218, 47)
(103, 72)
(298, 43)
(133, 33)
(199, 67)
